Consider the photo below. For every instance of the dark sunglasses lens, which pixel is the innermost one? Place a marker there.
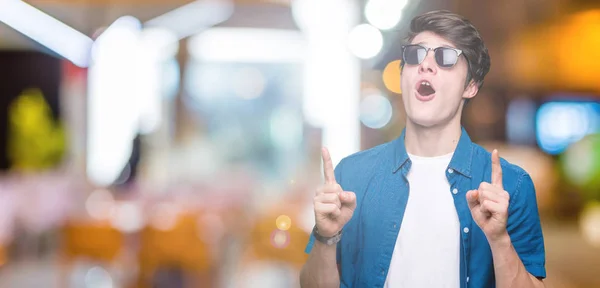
(446, 57)
(414, 55)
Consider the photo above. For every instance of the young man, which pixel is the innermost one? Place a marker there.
(431, 208)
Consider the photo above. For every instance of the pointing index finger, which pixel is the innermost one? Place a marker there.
(328, 167)
(496, 169)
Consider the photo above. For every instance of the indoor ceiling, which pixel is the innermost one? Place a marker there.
(498, 21)
(87, 16)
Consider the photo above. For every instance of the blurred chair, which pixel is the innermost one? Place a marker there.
(272, 257)
(176, 249)
(89, 240)
(268, 243)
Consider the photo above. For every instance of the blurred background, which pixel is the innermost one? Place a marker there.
(177, 143)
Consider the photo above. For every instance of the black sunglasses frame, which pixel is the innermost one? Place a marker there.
(458, 53)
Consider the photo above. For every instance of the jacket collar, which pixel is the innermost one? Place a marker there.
(461, 160)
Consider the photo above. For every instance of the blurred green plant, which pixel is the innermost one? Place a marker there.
(36, 141)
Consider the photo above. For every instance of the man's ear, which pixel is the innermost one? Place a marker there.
(471, 90)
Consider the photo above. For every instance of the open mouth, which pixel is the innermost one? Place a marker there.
(425, 88)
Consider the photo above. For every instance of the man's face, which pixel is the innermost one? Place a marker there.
(441, 101)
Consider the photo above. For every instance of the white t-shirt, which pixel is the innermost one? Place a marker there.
(427, 251)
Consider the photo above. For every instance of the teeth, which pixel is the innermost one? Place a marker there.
(425, 83)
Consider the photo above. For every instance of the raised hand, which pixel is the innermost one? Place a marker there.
(333, 206)
(489, 203)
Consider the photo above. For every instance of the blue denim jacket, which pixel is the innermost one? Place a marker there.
(378, 177)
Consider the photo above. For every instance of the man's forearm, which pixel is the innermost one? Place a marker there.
(508, 267)
(321, 268)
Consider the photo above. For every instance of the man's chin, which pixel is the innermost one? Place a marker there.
(423, 122)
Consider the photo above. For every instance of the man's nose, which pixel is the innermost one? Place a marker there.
(428, 64)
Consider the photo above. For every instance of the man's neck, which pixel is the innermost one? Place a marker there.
(432, 141)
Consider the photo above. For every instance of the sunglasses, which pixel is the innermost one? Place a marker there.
(445, 57)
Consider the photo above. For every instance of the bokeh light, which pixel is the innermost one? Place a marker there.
(283, 222)
(391, 76)
(127, 217)
(561, 123)
(100, 205)
(98, 277)
(164, 216)
(590, 223)
(375, 111)
(581, 164)
(384, 14)
(365, 41)
(313, 16)
(280, 239)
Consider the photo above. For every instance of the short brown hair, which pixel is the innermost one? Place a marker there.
(462, 33)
